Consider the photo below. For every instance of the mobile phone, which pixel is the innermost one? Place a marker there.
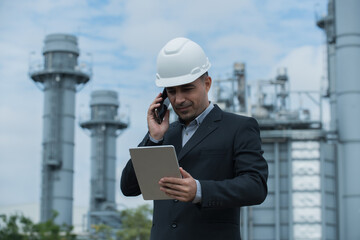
(164, 105)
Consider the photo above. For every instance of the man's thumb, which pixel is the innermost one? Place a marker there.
(184, 173)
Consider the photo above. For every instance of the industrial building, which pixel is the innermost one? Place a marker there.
(302, 188)
(342, 28)
(313, 179)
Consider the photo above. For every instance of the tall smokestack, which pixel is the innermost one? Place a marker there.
(59, 77)
(104, 125)
(347, 19)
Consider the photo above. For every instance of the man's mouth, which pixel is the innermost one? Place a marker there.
(182, 108)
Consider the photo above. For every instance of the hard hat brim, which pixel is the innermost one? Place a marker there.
(181, 80)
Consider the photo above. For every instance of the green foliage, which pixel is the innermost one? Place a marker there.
(19, 227)
(9, 229)
(102, 231)
(136, 223)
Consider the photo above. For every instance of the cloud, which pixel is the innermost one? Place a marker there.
(255, 51)
(305, 67)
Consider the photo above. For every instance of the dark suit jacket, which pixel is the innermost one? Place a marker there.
(225, 155)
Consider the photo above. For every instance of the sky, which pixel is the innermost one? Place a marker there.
(121, 40)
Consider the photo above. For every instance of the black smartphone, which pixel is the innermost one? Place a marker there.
(164, 105)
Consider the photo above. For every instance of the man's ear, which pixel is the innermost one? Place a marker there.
(208, 82)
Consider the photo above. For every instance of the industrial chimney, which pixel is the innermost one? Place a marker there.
(105, 126)
(347, 76)
(59, 77)
(342, 28)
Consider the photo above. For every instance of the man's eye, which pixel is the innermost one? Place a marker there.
(187, 89)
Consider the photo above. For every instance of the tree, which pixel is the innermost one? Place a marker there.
(19, 227)
(10, 229)
(136, 223)
(102, 232)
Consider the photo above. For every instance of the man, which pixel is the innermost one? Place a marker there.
(219, 153)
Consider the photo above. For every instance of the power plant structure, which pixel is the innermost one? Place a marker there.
(105, 126)
(342, 29)
(302, 188)
(313, 171)
(59, 76)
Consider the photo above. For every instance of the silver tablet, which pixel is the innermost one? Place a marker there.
(152, 163)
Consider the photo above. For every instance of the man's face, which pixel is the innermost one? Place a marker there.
(190, 100)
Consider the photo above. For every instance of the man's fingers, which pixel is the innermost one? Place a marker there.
(178, 181)
(182, 189)
(181, 184)
(155, 103)
(179, 195)
(172, 192)
(152, 107)
(176, 187)
(166, 117)
(183, 199)
(184, 173)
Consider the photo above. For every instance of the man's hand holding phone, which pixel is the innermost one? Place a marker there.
(161, 110)
(156, 124)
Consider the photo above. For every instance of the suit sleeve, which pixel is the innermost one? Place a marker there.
(248, 187)
(128, 183)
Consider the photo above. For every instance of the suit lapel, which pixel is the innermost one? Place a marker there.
(209, 124)
(174, 136)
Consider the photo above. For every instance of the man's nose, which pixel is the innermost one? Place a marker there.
(179, 98)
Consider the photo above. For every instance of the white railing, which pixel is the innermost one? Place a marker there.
(38, 65)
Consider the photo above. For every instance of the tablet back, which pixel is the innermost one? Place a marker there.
(151, 163)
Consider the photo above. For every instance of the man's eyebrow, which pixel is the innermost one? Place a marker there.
(188, 85)
(182, 86)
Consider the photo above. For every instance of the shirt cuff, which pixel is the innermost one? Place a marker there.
(154, 140)
(197, 198)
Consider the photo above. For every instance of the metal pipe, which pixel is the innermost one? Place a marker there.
(323, 191)
(328, 25)
(246, 223)
(290, 192)
(277, 190)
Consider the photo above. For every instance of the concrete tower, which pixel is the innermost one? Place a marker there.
(104, 125)
(59, 77)
(347, 20)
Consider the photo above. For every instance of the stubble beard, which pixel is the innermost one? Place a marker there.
(186, 117)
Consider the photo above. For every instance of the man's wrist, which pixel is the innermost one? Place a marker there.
(154, 140)
(197, 198)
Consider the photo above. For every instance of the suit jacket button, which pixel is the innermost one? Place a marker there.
(174, 225)
(175, 200)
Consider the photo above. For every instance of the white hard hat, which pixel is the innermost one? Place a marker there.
(179, 62)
